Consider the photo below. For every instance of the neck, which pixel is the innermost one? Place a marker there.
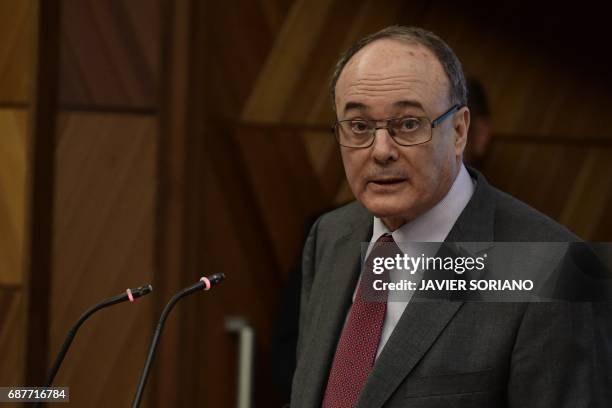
(394, 223)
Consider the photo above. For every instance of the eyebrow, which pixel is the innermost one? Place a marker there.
(404, 103)
(408, 103)
(354, 106)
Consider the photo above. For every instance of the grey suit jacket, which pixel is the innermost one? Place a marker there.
(452, 353)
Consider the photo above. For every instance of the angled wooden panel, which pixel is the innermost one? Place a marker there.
(13, 168)
(237, 38)
(110, 53)
(12, 338)
(346, 22)
(572, 184)
(17, 24)
(287, 59)
(103, 244)
(284, 184)
(584, 211)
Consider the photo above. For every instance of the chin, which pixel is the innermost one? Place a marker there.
(388, 206)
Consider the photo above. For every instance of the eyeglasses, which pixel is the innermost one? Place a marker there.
(405, 131)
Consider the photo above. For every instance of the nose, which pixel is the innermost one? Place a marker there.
(384, 149)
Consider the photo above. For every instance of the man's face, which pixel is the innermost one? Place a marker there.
(390, 79)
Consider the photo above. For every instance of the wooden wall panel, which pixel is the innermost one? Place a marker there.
(348, 21)
(110, 53)
(17, 22)
(585, 208)
(13, 195)
(271, 178)
(17, 39)
(571, 183)
(12, 336)
(230, 44)
(285, 63)
(103, 243)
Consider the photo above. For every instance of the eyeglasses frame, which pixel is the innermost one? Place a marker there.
(434, 123)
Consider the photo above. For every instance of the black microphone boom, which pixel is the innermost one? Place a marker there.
(204, 283)
(129, 294)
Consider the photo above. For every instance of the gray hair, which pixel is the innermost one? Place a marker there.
(412, 35)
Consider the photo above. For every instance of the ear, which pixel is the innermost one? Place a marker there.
(461, 124)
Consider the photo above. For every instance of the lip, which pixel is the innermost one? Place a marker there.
(389, 180)
(386, 184)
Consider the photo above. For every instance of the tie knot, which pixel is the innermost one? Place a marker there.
(386, 238)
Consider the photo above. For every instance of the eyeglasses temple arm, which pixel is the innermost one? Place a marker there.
(446, 114)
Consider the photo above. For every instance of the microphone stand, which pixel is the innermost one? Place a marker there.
(204, 283)
(129, 294)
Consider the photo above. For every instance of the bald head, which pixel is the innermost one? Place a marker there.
(412, 36)
(395, 74)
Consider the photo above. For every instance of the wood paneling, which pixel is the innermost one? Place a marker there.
(571, 183)
(172, 196)
(41, 186)
(103, 243)
(13, 194)
(110, 53)
(585, 207)
(12, 336)
(285, 63)
(230, 45)
(284, 186)
(17, 23)
(105, 194)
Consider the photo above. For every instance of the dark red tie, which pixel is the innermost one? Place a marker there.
(356, 350)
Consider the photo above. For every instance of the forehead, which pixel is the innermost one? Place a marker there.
(387, 71)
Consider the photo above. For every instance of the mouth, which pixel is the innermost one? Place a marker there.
(386, 183)
(389, 181)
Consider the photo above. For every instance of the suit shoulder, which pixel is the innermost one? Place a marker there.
(517, 221)
(340, 218)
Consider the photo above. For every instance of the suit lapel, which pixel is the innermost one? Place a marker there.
(341, 275)
(476, 221)
(423, 321)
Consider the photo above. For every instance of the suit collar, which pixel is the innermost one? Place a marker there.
(476, 222)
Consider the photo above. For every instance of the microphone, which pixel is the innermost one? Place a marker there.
(130, 294)
(205, 283)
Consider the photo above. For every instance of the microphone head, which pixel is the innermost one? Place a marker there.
(141, 291)
(212, 280)
(216, 278)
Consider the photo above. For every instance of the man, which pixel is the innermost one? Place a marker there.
(400, 101)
